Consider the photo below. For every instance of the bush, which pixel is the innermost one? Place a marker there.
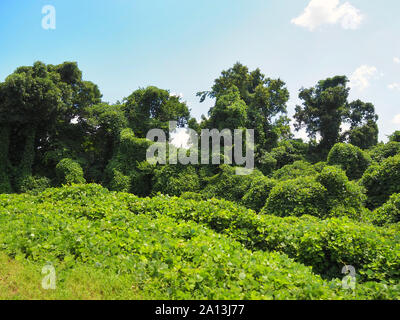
(267, 164)
(389, 212)
(381, 181)
(68, 172)
(193, 196)
(329, 193)
(35, 185)
(166, 258)
(175, 180)
(120, 182)
(258, 193)
(325, 245)
(344, 198)
(126, 171)
(384, 151)
(395, 136)
(295, 170)
(227, 185)
(297, 197)
(352, 159)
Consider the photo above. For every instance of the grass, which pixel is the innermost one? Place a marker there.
(22, 280)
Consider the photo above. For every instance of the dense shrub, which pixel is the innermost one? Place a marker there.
(389, 212)
(175, 180)
(170, 259)
(228, 185)
(383, 151)
(325, 245)
(258, 193)
(381, 181)
(69, 171)
(193, 196)
(344, 198)
(35, 184)
(296, 170)
(267, 164)
(119, 182)
(297, 197)
(395, 137)
(352, 159)
(286, 153)
(126, 171)
(329, 193)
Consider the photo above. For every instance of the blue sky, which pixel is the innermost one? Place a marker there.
(183, 45)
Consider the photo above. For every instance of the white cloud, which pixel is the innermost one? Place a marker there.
(320, 12)
(361, 77)
(396, 119)
(394, 86)
(396, 60)
(178, 95)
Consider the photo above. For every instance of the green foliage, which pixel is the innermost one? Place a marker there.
(261, 104)
(295, 170)
(69, 171)
(258, 193)
(120, 182)
(365, 136)
(381, 181)
(395, 137)
(329, 193)
(267, 164)
(389, 212)
(344, 198)
(297, 197)
(325, 108)
(35, 185)
(127, 170)
(174, 180)
(228, 185)
(351, 158)
(152, 108)
(229, 112)
(325, 245)
(5, 184)
(383, 151)
(169, 259)
(193, 196)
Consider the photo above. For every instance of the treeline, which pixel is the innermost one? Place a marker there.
(56, 129)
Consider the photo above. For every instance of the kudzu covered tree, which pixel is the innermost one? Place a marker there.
(325, 108)
(37, 105)
(249, 99)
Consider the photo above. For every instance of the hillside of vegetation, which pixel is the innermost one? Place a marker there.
(173, 248)
(76, 191)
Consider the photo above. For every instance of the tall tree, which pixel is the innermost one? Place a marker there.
(364, 130)
(325, 108)
(264, 104)
(37, 103)
(151, 108)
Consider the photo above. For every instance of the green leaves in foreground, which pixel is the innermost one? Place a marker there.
(147, 241)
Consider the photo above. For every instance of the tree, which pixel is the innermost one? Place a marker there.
(263, 103)
(152, 108)
(37, 106)
(325, 108)
(395, 137)
(364, 130)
